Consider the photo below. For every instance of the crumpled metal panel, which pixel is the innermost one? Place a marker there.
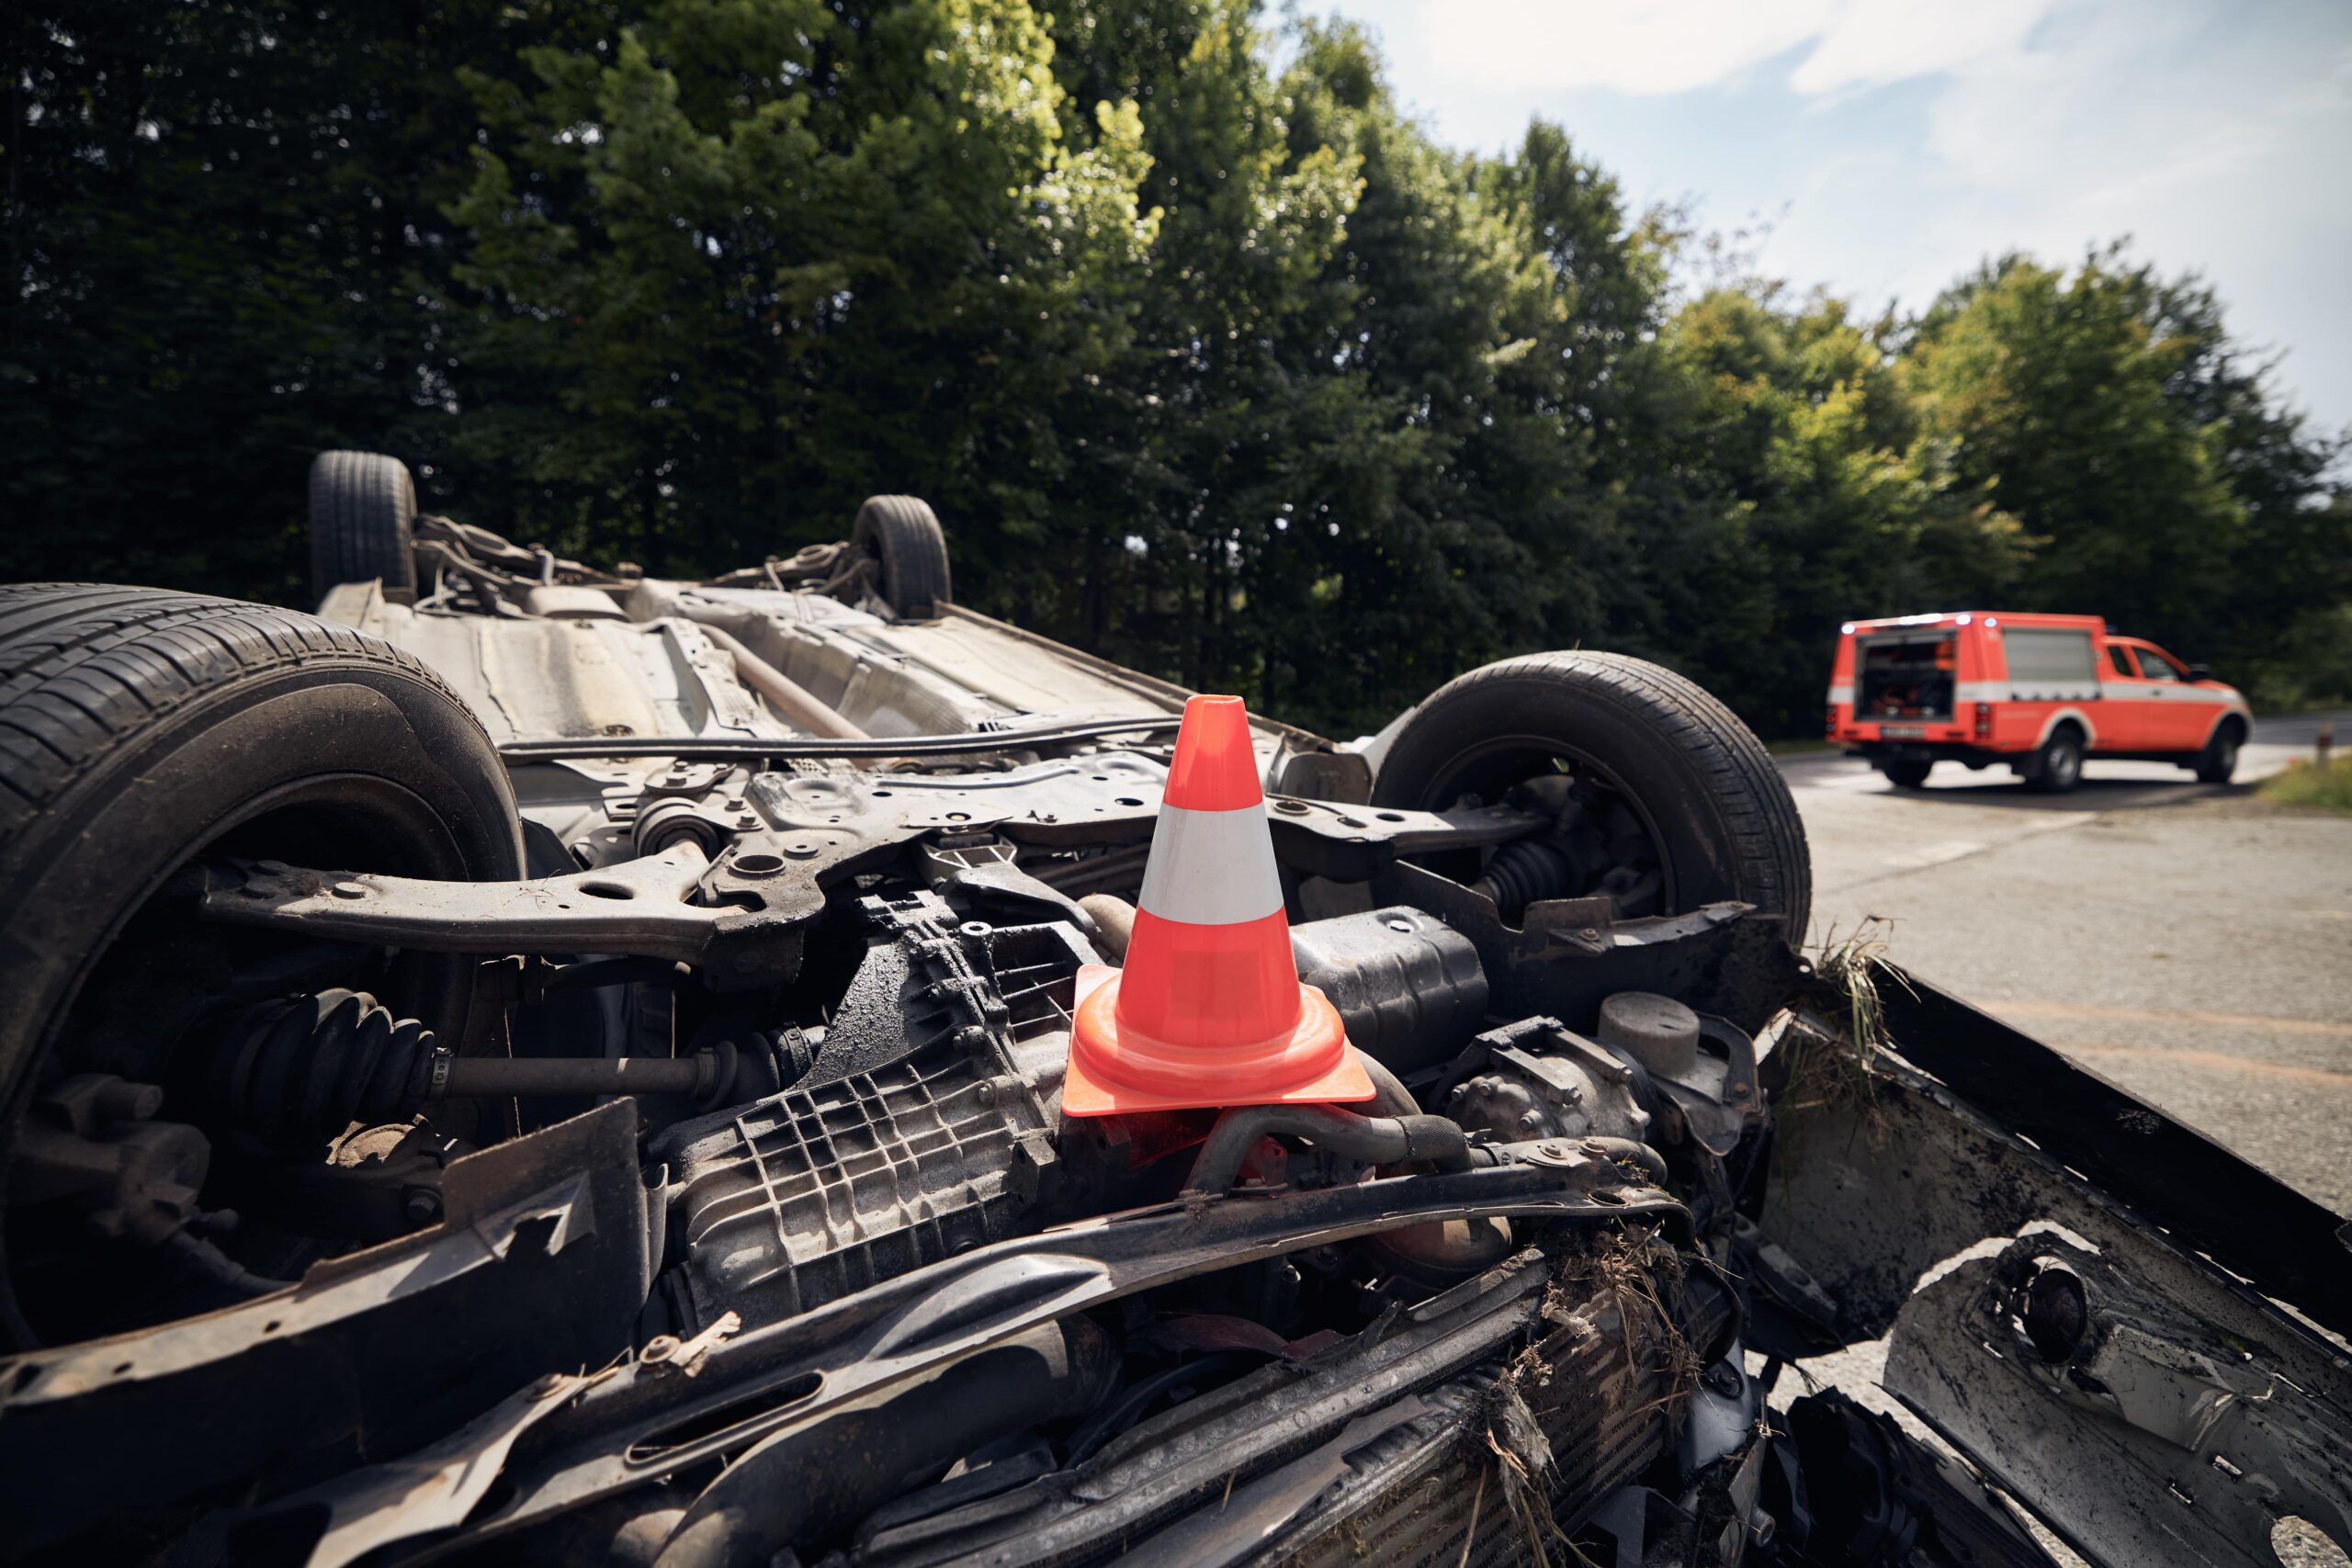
(2158, 1437)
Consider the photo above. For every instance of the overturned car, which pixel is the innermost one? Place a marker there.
(531, 1065)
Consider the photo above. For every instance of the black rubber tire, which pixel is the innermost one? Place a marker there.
(363, 510)
(1906, 773)
(1718, 811)
(901, 535)
(2217, 762)
(2057, 767)
(138, 726)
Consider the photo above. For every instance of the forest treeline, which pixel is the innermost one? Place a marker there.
(1209, 358)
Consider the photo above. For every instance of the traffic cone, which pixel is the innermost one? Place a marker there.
(1208, 1010)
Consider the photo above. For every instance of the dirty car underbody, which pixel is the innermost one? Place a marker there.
(729, 1217)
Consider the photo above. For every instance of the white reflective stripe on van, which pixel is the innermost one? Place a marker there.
(1212, 868)
(1841, 694)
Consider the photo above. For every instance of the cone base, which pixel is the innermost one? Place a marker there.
(1089, 1091)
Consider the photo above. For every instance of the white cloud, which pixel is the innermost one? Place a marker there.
(1892, 146)
(1636, 46)
(1677, 46)
(1870, 44)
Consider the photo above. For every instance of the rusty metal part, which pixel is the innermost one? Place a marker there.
(541, 1261)
(795, 702)
(91, 1140)
(738, 918)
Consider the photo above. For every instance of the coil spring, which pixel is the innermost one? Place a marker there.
(1521, 874)
(298, 1070)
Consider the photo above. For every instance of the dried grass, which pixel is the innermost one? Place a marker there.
(1635, 1271)
(1832, 1044)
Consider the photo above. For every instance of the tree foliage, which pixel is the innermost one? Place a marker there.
(1210, 358)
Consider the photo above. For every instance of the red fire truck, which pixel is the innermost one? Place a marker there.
(2038, 693)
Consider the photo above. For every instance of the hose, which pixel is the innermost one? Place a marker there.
(1373, 1140)
(1117, 918)
(1652, 1163)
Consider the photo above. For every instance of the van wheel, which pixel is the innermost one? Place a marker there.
(2218, 761)
(1905, 772)
(2058, 766)
(1675, 797)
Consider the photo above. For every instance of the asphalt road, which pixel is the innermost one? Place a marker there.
(2189, 941)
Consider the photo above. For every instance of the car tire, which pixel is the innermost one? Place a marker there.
(1906, 773)
(2217, 762)
(141, 728)
(363, 512)
(1719, 812)
(2057, 767)
(901, 535)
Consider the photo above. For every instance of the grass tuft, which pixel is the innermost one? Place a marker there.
(2327, 789)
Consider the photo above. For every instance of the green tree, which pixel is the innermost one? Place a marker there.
(750, 263)
(217, 219)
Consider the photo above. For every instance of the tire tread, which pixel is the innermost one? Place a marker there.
(86, 670)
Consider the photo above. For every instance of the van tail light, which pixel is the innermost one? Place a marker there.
(1830, 726)
(1984, 721)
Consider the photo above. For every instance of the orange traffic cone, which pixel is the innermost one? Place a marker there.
(1208, 1010)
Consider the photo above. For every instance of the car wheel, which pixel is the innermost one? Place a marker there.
(901, 535)
(2058, 766)
(1679, 787)
(1905, 772)
(142, 732)
(2219, 761)
(363, 509)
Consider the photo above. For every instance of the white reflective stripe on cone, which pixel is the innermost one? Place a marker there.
(1212, 868)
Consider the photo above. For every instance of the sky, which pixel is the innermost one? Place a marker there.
(1882, 148)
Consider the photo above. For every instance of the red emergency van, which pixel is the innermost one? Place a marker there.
(2038, 693)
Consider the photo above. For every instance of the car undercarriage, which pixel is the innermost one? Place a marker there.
(536, 1065)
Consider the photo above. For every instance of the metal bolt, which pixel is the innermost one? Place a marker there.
(1291, 807)
(985, 1091)
(421, 1205)
(350, 890)
(1530, 1121)
(1591, 933)
(801, 849)
(1551, 1151)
